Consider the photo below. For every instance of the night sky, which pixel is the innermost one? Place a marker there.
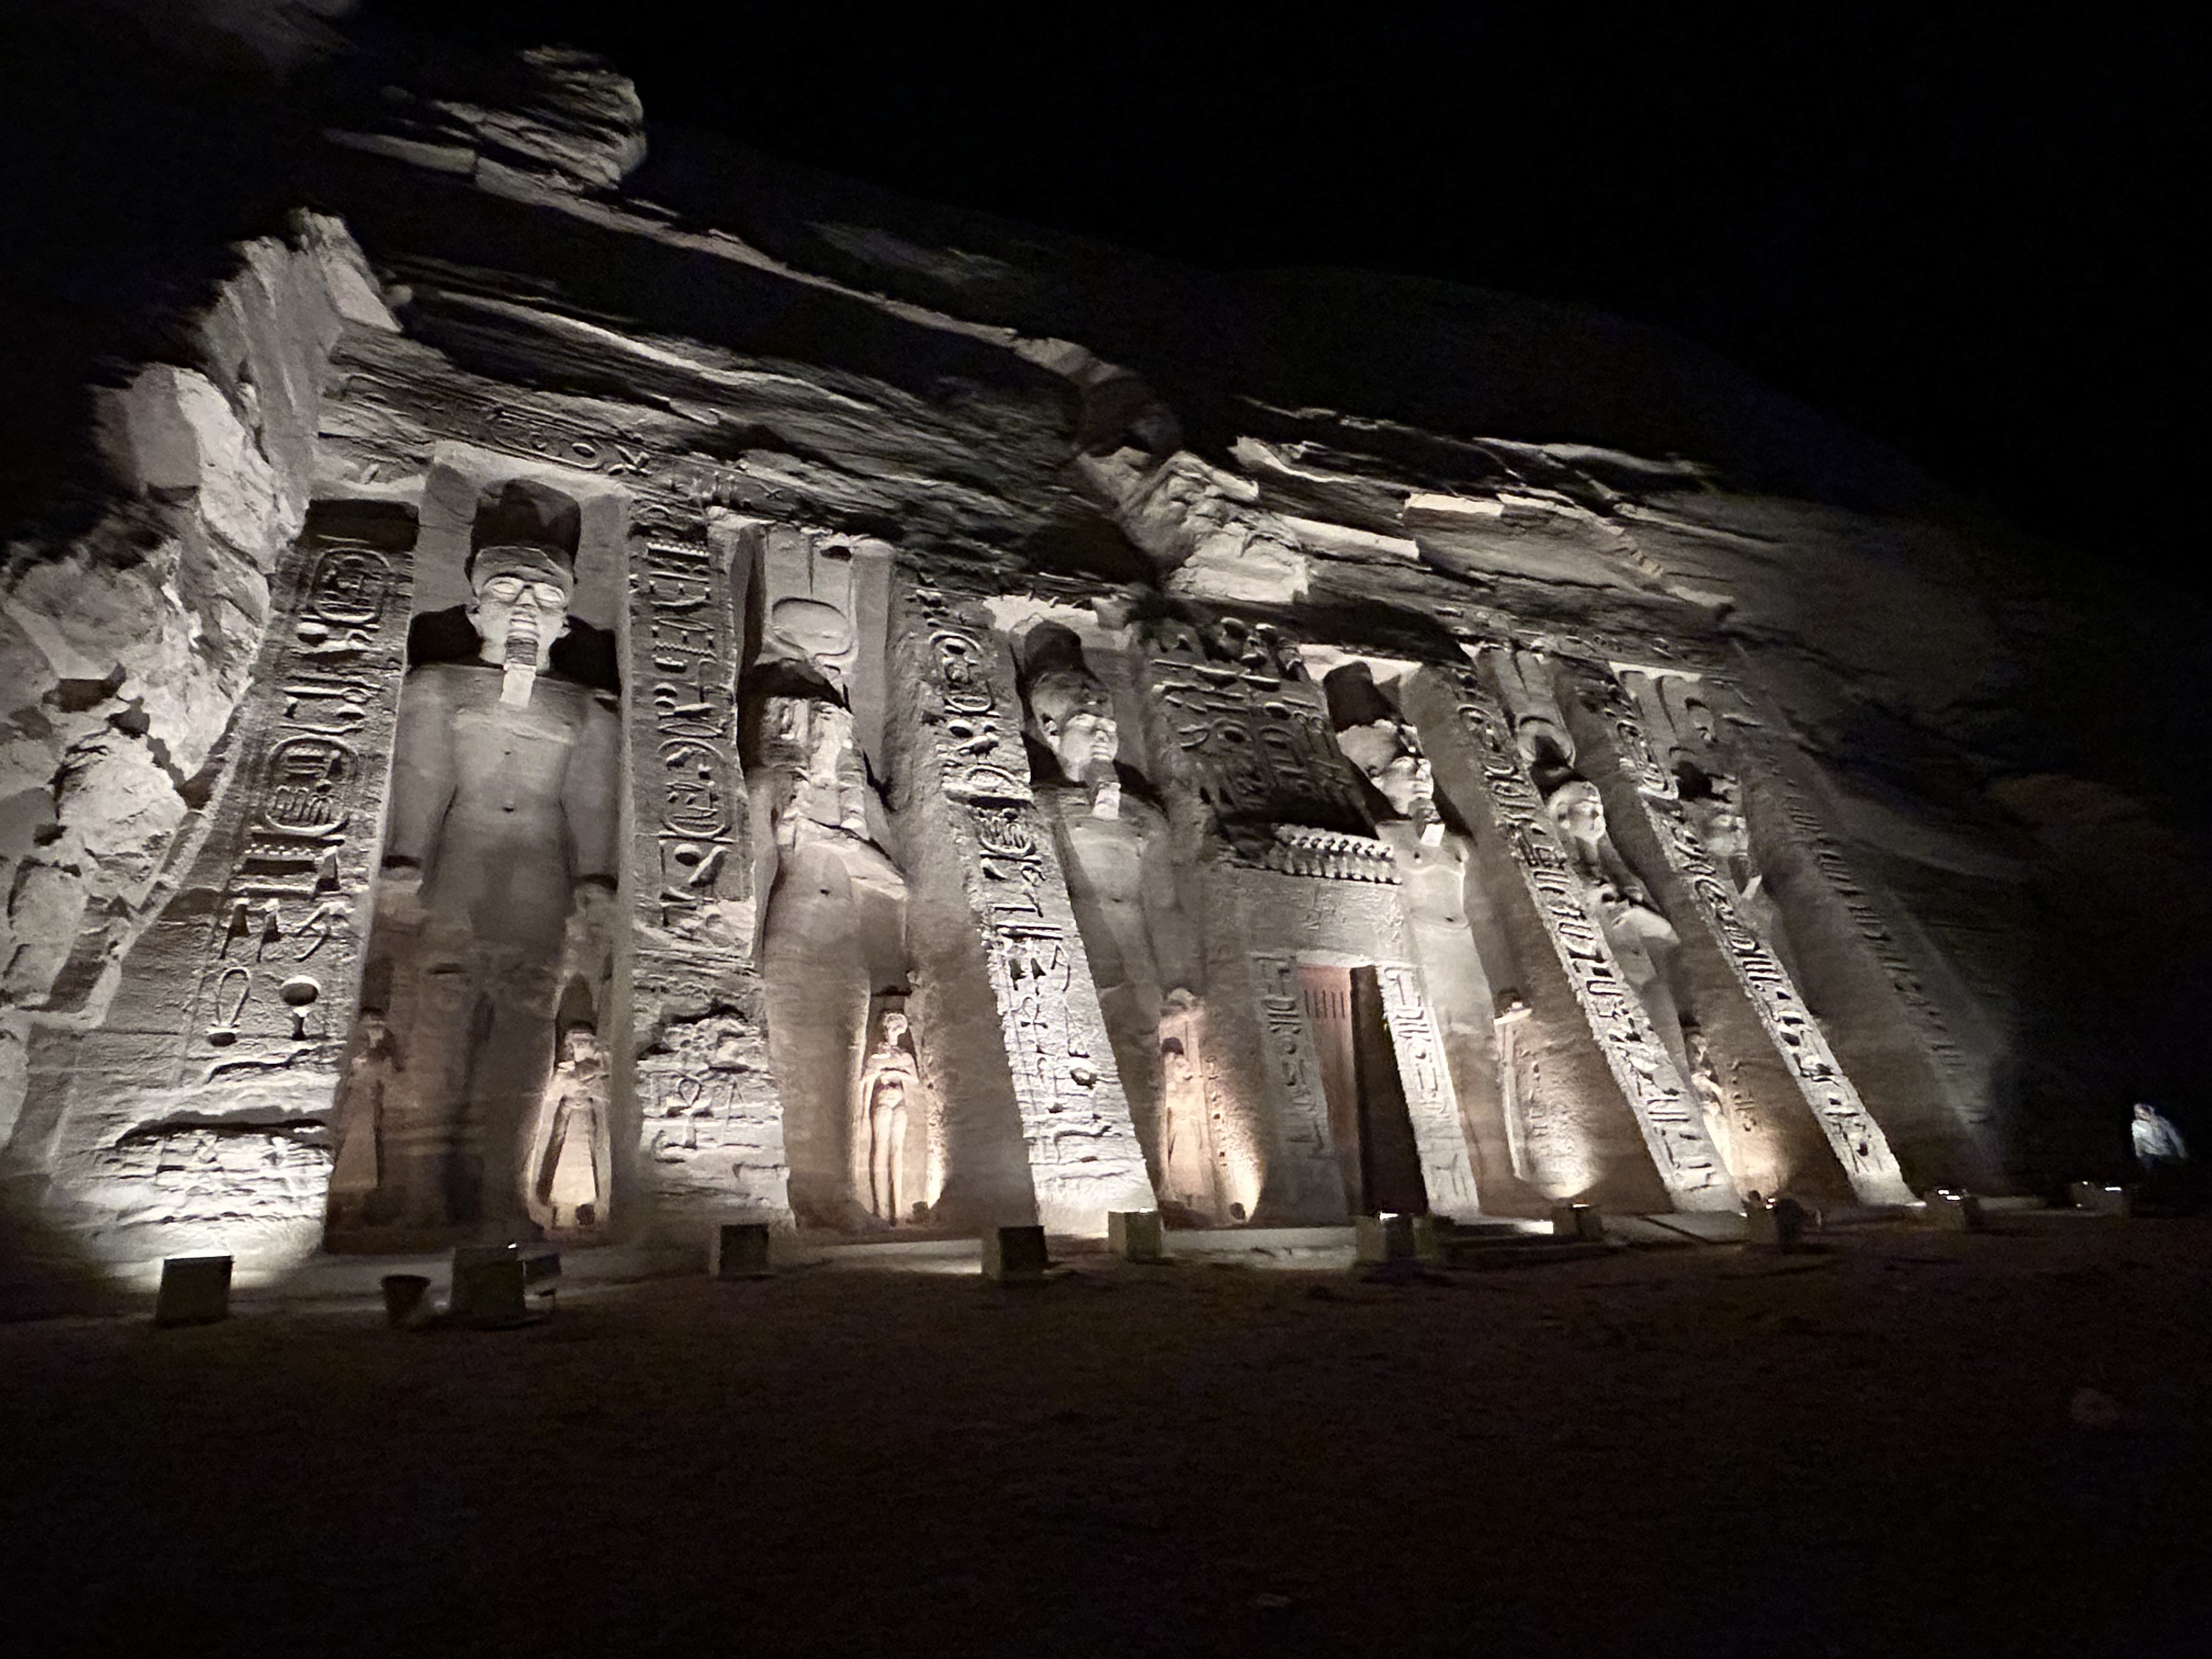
(1960, 228)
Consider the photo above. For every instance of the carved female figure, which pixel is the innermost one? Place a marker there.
(359, 1116)
(890, 1088)
(570, 1156)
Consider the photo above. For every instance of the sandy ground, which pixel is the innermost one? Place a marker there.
(1873, 1448)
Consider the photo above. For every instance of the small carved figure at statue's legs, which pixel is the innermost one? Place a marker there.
(1712, 1101)
(569, 1154)
(362, 1119)
(1190, 1186)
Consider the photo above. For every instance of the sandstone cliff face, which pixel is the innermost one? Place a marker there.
(499, 269)
(126, 649)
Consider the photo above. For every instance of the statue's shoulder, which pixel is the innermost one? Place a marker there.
(451, 684)
(586, 654)
(441, 636)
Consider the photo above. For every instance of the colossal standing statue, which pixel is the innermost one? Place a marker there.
(496, 900)
(1713, 803)
(1121, 879)
(1433, 862)
(833, 927)
(1643, 941)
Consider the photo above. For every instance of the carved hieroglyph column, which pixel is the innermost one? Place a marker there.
(1819, 1083)
(1431, 1103)
(1013, 1015)
(1919, 1055)
(1467, 730)
(196, 1115)
(711, 1146)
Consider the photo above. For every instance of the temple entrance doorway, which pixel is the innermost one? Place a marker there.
(1368, 1121)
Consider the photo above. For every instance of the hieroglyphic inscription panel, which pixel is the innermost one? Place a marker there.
(1666, 1110)
(712, 1132)
(1082, 1147)
(1293, 1054)
(1249, 742)
(1431, 1103)
(695, 873)
(272, 918)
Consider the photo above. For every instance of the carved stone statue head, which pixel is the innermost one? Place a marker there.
(1576, 808)
(374, 1032)
(581, 1048)
(522, 571)
(1072, 711)
(1382, 745)
(1384, 751)
(1716, 817)
(895, 1028)
(1074, 715)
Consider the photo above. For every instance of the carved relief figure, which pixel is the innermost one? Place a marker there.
(495, 901)
(833, 927)
(364, 1108)
(570, 1154)
(1713, 1101)
(1190, 1176)
(1121, 879)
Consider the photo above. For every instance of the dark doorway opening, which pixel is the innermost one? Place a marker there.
(1368, 1121)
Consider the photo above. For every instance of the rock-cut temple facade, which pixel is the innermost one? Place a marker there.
(583, 722)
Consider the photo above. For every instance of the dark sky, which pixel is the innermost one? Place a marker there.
(1959, 228)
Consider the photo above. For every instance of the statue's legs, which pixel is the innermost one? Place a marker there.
(885, 1123)
(510, 1062)
(1132, 1028)
(418, 1188)
(817, 990)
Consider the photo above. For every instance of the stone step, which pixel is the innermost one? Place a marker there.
(1527, 1250)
